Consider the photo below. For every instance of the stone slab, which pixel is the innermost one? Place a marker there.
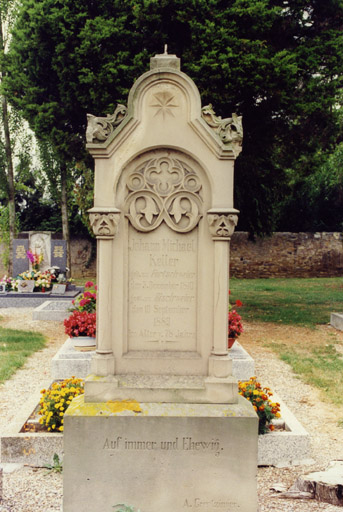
(33, 300)
(290, 447)
(336, 321)
(243, 365)
(53, 310)
(168, 457)
(325, 486)
(68, 362)
(34, 449)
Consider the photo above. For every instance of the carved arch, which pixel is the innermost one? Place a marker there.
(163, 187)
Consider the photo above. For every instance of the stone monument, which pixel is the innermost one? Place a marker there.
(53, 250)
(161, 426)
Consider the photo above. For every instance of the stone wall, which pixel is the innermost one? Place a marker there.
(281, 255)
(287, 255)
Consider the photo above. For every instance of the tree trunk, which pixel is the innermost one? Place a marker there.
(9, 161)
(64, 211)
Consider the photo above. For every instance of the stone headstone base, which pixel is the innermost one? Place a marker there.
(162, 388)
(167, 457)
(69, 361)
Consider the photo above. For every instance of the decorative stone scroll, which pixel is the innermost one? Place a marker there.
(230, 129)
(100, 128)
(164, 189)
(104, 222)
(222, 224)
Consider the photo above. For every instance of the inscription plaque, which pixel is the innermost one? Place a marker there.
(162, 290)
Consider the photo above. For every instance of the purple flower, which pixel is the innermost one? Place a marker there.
(30, 256)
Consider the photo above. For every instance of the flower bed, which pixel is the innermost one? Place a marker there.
(283, 447)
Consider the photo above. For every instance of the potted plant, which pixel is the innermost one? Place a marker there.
(81, 325)
(235, 324)
(86, 301)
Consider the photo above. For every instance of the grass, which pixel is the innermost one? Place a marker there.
(15, 348)
(303, 303)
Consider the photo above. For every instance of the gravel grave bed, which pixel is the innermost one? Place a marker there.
(27, 489)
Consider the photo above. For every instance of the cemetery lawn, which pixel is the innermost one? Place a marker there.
(312, 348)
(304, 302)
(15, 348)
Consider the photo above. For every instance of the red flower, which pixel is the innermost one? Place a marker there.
(235, 324)
(239, 303)
(80, 323)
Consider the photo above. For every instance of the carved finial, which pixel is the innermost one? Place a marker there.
(99, 128)
(230, 130)
(165, 49)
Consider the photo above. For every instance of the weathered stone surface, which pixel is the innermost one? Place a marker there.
(325, 485)
(163, 216)
(168, 457)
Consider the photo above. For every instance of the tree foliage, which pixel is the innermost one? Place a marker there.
(278, 63)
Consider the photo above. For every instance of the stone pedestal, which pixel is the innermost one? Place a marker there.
(160, 457)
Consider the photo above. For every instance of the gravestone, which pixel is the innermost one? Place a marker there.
(59, 254)
(20, 261)
(41, 242)
(161, 425)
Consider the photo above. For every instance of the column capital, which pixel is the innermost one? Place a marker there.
(222, 222)
(104, 222)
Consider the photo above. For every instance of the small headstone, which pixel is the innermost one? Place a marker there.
(26, 286)
(2, 288)
(20, 260)
(59, 289)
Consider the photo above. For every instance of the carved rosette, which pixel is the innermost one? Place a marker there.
(222, 224)
(229, 130)
(100, 128)
(163, 189)
(104, 222)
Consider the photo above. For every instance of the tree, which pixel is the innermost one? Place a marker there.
(278, 63)
(7, 154)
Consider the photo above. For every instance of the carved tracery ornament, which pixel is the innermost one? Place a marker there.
(163, 189)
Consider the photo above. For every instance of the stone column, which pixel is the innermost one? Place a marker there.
(104, 222)
(222, 223)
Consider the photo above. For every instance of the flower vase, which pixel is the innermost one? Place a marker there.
(84, 343)
(231, 342)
